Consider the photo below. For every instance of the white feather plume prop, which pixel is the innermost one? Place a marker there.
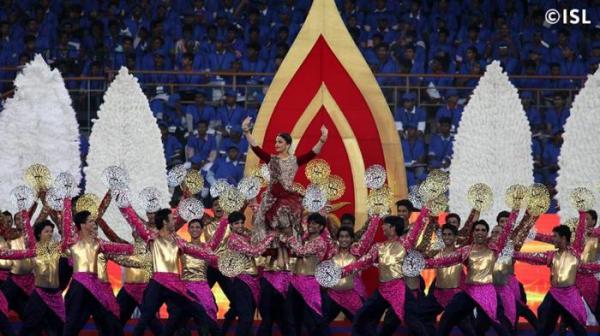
(126, 134)
(580, 151)
(38, 125)
(493, 144)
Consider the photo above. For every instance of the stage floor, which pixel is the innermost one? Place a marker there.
(337, 329)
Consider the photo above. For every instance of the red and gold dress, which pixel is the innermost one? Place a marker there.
(280, 206)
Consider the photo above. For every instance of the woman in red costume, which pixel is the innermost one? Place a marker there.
(280, 206)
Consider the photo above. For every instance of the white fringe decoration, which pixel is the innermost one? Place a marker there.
(493, 144)
(580, 151)
(126, 134)
(38, 125)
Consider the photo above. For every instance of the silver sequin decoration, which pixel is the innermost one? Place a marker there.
(22, 197)
(249, 187)
(328, 274)
(190, 208)
(176, 175)
(150, 199)
(375, 176)
(314, 199)
(54, 198)
(65, 184)
(219, 186)
(121, 195)
(115, 176)
(413, 264)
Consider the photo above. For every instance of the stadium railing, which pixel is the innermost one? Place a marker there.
(87, 92)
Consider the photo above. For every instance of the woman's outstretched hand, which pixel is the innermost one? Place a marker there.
(246, 124)
(324, 133)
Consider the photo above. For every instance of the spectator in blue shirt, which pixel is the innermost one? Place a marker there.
(473, 40)
(554, 85)
(534, 116)
(252, 63)
(380, 10)
(234, 44)
(441, 44)
(173, 115)
(571, 65)
(220, 59)
(562, 43)
(172, 147)
(135, 21)
(509, 63)
(235, 139)
(200, 111)
(63, 50)
(557, 115)
(201, 148)
(530, 69)
(440, 147)
(537, 149)
(118, 58)
(157, 46)
(413, 149)
(157, 106)
(383, 28)
(369, 48)
(437, 86)
(159, 78)
(349, 9)
(452, 110)
(254, 25)
(540, 46)
(187, 80)
(413, 57)
(228, 168)
(385, 64)
(416, 17)
(550, 159)
(230, 114)
(408, 113)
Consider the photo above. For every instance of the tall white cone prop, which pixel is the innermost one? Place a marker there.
(580, 152)
(38, 125)
(493, 144)
(126, 134)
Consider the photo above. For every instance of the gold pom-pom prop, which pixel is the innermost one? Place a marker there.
(440, 175)
(433, 186)
(480, 196)
(515, 196)
(334, 188)
(88, 202)
(317, 171)
(38, 177)
(538, 199)
(438, 205)
(231, 263)
(231, 200)
(193, 182)
(380, 201)
(582, 199)
(262, 172)
(572, 223)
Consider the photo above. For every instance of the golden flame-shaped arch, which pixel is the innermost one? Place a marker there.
(325, 29)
